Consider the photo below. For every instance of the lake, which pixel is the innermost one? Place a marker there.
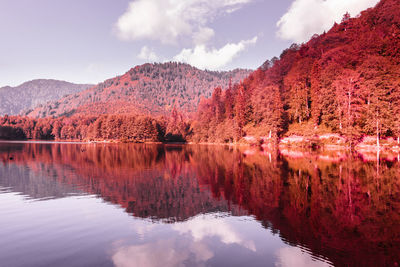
(171, 205)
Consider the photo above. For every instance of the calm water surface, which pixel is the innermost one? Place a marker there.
(154, 205)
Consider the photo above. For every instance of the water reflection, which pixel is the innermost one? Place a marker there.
(205, 205)
(195, 242)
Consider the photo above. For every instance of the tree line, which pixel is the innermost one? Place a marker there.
(125, 128)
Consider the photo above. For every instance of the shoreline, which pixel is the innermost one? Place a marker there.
(329, 152)
(287, 143)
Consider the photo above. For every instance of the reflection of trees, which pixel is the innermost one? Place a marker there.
(344, 209)
(40, 185)
(148, 181)
(338, 207)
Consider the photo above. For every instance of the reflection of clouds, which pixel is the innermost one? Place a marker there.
(210, 226)
(185, 244)
(202, 241)
(293, 256)
(144, 229)
(163, 253)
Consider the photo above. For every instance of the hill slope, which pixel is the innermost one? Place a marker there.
(148, 89)
(345, 81)
(30, 94)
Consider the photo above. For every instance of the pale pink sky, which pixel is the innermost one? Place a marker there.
(87, 41)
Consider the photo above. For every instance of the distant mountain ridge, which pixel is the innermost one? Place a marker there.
(33, 93)
(146, 89)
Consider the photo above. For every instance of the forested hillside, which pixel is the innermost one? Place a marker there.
(147, 89)
(30, 94)
(344, 81)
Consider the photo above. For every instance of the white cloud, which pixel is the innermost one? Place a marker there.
(204, 58)
(307, 17)
(169, 20)
(203, 35)
(148, 54)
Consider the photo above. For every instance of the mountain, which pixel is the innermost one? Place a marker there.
(30, 94)
(147, 89)
(344, 81)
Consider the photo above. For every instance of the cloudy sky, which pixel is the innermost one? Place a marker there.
(88, 41)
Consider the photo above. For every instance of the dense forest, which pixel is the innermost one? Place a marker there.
(345, 81)
(148, 89)
(118, 127)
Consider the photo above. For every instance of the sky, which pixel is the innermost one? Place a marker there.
(88, 41)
